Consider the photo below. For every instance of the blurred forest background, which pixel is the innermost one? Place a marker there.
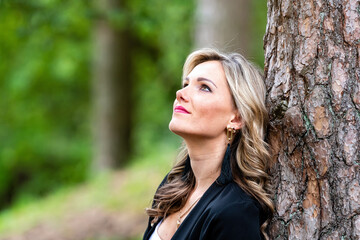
(55, 182)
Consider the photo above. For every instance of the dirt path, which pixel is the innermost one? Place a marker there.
(93, 221)
(90, 225)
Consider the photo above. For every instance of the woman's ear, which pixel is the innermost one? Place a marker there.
(236, 121)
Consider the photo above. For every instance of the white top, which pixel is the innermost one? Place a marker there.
(155, 235)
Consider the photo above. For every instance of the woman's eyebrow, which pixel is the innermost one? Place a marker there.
(200, 79)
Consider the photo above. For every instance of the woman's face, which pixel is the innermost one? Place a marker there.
(203, 107)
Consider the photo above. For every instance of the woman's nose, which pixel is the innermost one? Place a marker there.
(181, 95)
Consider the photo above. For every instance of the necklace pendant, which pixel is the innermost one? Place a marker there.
(178, 222)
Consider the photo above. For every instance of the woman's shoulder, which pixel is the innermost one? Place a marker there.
(232, 213)
(234, 199)
(233, 192)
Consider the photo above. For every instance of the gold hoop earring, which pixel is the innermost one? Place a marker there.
(230, 133)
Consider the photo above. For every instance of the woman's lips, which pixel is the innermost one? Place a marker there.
(180, 109)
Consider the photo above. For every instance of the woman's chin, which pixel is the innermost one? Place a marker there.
(178, 130)
(174, 127)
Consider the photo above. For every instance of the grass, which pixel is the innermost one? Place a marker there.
(127, 190)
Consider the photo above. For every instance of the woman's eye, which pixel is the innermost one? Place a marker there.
(185, 85)
(205, 88)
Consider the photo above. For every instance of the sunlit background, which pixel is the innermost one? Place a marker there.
(86, 92)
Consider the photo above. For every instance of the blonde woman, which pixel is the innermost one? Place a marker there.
(219, 187)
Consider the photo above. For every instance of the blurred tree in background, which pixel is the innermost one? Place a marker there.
(136, 48)
(232, 26)
(112, 85)
(224, 25)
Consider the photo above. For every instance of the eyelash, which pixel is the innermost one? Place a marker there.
(207, 88)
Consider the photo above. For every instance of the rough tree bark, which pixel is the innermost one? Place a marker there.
(312, 57)
(223, 24)
(112, 89)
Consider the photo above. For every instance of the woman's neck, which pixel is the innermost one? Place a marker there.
(206, 160)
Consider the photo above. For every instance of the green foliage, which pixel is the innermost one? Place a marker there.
(258, 26)
(44, 96)
(45, 69)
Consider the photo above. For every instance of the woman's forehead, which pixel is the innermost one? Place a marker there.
(212, 70)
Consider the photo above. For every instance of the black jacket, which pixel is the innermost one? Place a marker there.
(224, 212)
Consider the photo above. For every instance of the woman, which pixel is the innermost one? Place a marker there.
(219, 187)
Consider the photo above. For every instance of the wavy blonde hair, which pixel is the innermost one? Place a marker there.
(250, 156)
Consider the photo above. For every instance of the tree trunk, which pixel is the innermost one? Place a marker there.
(223, 24)
(312, 57)
(112, 90)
